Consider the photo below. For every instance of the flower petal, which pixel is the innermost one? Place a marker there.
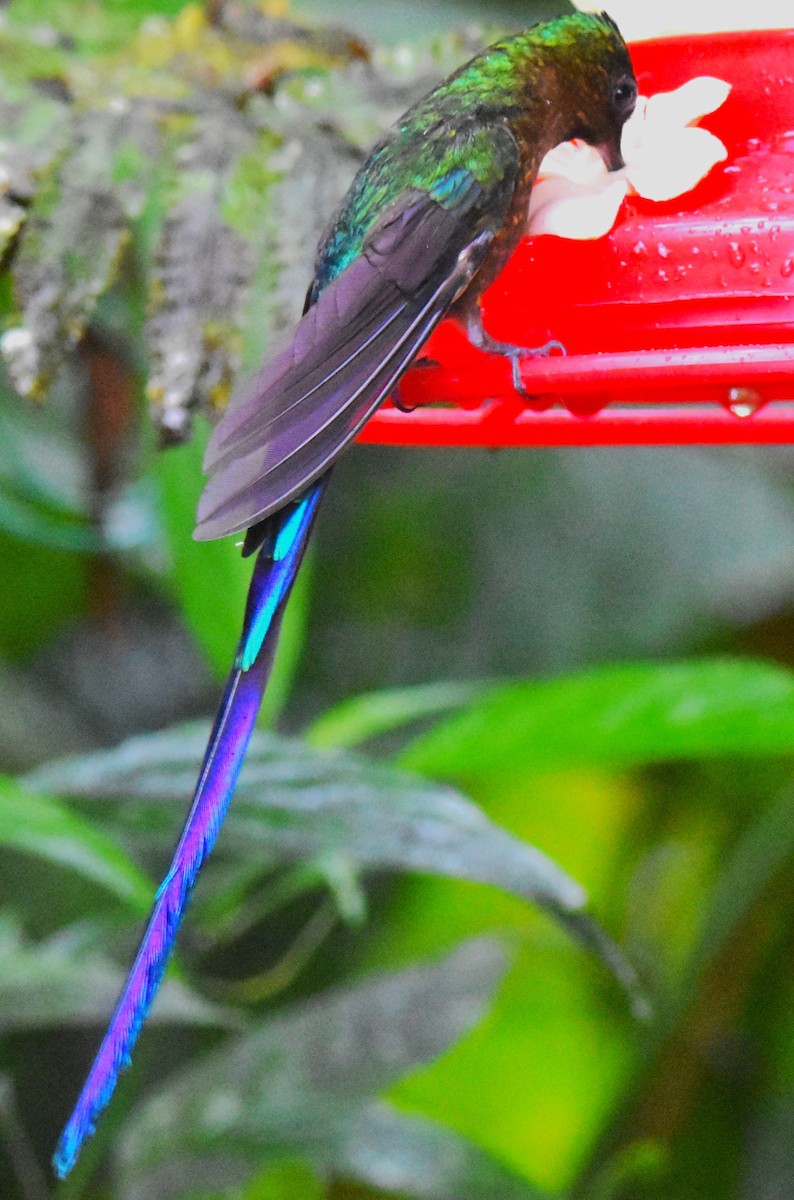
(566, 209)
(633, 134)
(686, 104)
(666, 156)
(575, 160)
(669, 167)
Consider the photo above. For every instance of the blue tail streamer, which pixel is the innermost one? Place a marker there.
(274, 573)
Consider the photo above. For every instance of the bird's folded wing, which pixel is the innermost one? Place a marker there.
(349, 350)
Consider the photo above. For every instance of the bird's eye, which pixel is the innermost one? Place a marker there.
(624, 96)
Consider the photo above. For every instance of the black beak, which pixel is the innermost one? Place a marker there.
(610, 152)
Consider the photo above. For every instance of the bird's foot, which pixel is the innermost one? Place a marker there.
(483, 341)
(516, 353)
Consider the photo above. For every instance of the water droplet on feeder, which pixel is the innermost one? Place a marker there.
(736, 255)
(743, 402)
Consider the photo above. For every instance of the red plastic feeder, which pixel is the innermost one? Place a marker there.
(679, 325)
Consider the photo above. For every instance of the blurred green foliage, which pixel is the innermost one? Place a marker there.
(533, 697)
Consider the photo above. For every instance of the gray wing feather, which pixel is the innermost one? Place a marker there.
(349, 349)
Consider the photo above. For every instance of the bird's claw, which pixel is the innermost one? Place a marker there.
(517, 353)
(483, 341)
(546, 349)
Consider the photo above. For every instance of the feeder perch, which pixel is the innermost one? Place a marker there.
(679, 325)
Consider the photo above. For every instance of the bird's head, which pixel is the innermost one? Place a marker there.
(592, 79)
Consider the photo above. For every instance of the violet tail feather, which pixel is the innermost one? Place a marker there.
(274, 573)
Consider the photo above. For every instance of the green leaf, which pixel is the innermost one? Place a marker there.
(202, 270)
(285, 1181)
(163, 134)
(34, 127)
(43, 589)
(96, 25)
(43, 457)
(76, 229)
(339, 815)
(32, 523)
(44, 827)
(42, 489)
(294, 804)
(616, 716)
(354, 721)
(60, 980)
(637, 1168)
(294, 1083)
(407, 1154)
(209, 579)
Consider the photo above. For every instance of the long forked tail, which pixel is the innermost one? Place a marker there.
(274, 573)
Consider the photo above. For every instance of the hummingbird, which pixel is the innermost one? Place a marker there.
(429, 221)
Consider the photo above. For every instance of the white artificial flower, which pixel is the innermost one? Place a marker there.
(665, 153)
